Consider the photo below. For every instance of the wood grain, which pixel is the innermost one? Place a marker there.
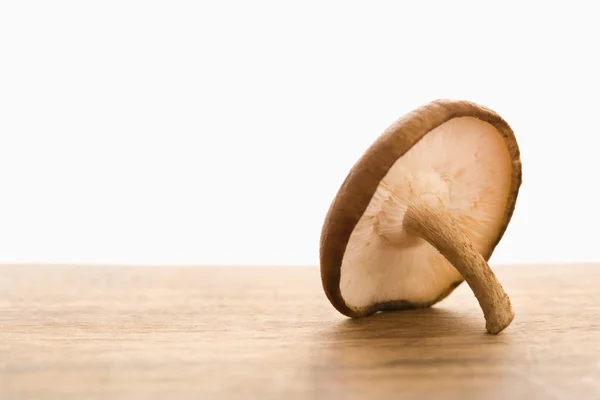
(270, 333)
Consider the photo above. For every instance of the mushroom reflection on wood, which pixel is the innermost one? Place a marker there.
(422, 211)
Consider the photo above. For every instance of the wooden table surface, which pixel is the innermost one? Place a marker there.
(269, 333)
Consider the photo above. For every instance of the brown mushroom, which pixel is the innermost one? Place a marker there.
(421, 211)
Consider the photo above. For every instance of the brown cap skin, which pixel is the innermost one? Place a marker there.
(363, 179)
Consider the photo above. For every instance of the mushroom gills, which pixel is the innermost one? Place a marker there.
(462, 169)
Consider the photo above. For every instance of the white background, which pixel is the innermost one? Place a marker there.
(173, 132)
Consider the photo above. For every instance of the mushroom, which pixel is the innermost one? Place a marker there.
(422, 211)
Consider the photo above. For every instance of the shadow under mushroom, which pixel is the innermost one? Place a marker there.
(393, 348)
(406, 326)
(421, 338)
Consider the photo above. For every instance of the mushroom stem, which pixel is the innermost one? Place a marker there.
(435, 225)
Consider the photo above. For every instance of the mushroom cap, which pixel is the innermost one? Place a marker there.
(459, 151)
